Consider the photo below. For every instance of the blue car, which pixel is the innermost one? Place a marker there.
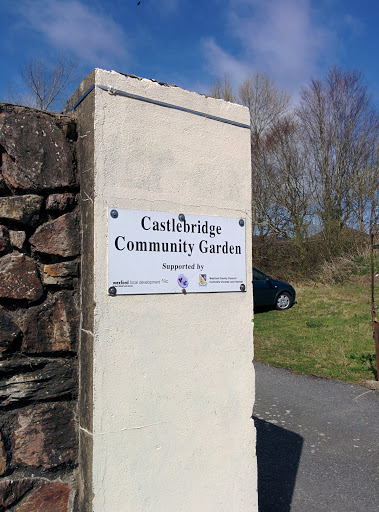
(270, 292)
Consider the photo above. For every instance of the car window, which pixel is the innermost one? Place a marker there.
(258, 276)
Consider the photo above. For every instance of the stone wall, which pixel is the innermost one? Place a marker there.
(39, 315)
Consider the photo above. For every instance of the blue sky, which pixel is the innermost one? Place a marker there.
(191, 42)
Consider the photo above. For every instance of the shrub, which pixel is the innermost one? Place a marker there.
(338, 271)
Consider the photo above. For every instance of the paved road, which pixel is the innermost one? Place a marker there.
(317, 444)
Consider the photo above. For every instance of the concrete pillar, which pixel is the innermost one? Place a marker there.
(166, 380)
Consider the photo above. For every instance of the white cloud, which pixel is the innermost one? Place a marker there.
(220, 62)
(276, 36)
(71, 26)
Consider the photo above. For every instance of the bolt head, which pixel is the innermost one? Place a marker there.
(114, 214)
(182, 217)
(112, 291)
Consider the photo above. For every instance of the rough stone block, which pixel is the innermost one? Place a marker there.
(9, 331)
(3, 457)
(4, 240)
(52, 326)
(51, 497)
(11, 491)
(29, 380)
(45, 436)
(4, 190)
(60, 274)
(38, 155)
(69, 129)
(60, 202)
(19, 278)
(60, 237)
(24, 209)
(17, 239)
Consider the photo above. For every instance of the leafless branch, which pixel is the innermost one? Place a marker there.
(48, 83)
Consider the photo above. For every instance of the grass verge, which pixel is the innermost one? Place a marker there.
(327, 333)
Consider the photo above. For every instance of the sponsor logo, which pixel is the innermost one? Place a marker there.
(203, 279)
(182, 281)
(164, 280)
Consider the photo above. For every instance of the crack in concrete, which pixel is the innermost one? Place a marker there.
(139, 427)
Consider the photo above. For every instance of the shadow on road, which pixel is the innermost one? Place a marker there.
(278, 455)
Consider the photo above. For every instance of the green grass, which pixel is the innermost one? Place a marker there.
(327, 333)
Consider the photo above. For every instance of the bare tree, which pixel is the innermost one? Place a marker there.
(365, 195)
(266, 104)
(317, 168)
(223, 89)
(284, 164)
(341, 127)
(264, 100)
(46, 84)
(26, 99)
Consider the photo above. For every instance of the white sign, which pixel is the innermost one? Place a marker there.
(156, 252)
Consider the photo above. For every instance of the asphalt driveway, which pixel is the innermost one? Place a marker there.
(317, 444)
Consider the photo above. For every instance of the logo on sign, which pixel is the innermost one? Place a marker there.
(203, 279)
(182, 281)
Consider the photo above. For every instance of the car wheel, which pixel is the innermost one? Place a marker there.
(283, 301)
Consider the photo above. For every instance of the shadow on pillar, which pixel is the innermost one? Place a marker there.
(278, 457)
